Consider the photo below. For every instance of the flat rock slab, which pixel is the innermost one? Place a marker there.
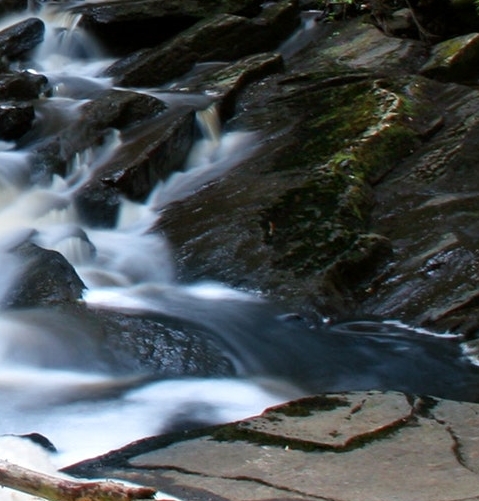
(350, 447)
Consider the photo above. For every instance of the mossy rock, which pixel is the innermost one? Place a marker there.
(310, 225)
(456, 59)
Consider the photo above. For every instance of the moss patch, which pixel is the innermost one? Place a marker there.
(305, 406)
(353, 135)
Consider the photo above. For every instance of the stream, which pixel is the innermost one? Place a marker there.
(277, 357)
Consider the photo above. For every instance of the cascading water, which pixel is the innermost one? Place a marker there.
(49, 377)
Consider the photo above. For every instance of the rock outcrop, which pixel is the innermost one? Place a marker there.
(351, 447)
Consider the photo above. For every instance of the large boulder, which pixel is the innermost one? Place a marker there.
(301, 240)
(355, 142)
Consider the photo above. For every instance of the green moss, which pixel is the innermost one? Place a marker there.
(233, 433)
(355, 134)
(305, 406)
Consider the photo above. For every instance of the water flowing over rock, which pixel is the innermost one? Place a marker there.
(94, 120)
(47, 277)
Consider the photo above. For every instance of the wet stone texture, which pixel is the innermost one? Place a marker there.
(348, 447)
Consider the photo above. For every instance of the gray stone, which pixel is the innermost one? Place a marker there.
(367, 445)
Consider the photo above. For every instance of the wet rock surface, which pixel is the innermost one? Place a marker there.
(348, 148)
(47, 278)
(15, 120)
(353, 446)
(124, 26)
(21, 37)
(239, 37)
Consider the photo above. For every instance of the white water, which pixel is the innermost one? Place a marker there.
(36, 395)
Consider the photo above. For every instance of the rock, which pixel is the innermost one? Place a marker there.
(47, 278)
(340, 188)
(321, 171)
(159, 346)
(21, 37)
(225, 84)
(220, 38)
(364, 47)
(15, 120)
(130, 348)
(137, 167)
(351, 446)
(126, 26)
(434, 188)
(90, 128)
(22, 85)
(454, 60)
(401, 24)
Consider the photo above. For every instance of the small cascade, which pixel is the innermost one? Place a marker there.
(212, 155)
(210, 123)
